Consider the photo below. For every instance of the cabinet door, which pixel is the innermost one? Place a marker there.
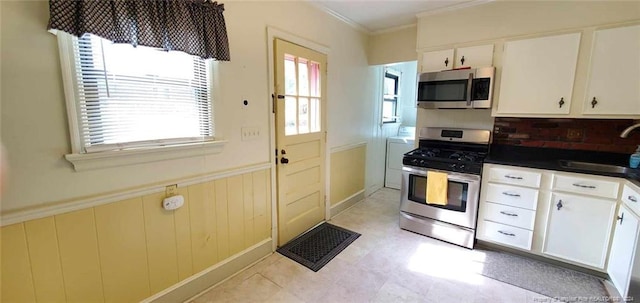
(437, 61)
(614, 72)
(623, 247)
(474, 56)
(579, 228)
(538, 74)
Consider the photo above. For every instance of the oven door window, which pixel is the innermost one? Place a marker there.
(443, 91)
(457, 193)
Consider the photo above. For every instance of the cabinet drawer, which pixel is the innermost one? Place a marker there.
(507, 235)
(512, 195)
(631, 198)
(515, 176)
(586, 186)
(513, 216)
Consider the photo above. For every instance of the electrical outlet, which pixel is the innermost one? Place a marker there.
(250, 133)
(171, 190)
(574, 133)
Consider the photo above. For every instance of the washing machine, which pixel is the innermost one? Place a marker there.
(397, 146)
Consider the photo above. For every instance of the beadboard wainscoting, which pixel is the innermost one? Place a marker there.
(129, 250)
(347, 176)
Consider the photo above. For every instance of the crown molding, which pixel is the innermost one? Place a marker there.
(453, 8)
(394, 29)
(340, 17)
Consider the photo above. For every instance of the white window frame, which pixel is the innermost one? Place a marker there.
(393, 72)
(113, 158)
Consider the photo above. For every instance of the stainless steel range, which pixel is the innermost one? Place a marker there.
(459, 153)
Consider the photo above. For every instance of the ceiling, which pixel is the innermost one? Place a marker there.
(380, 15)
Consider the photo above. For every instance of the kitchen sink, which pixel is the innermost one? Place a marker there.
(587, 166)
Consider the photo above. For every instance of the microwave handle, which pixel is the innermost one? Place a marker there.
(469, 88)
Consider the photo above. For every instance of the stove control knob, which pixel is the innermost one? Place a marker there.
(422, 162)
(453, 166)
(461, 166)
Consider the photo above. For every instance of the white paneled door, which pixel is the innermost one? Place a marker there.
(300, 138)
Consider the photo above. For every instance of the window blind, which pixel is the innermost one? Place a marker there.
(130, 97)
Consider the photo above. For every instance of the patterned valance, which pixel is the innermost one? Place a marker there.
(191, 26)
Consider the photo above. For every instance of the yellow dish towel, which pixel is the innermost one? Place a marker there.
(437, 188)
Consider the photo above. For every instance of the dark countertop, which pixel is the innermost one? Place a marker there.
(549, 158)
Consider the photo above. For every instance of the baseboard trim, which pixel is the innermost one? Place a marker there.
(346, 203)
(188, 288)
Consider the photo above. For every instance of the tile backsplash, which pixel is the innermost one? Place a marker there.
(580, 134)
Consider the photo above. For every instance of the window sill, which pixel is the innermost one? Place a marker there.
(83, 162)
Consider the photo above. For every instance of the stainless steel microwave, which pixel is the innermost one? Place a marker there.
(463, 88)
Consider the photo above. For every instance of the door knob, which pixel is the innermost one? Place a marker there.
(284, 160)
(559, 205)
(561, 102)
(594, 102)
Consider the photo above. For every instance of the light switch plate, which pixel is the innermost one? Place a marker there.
(250, 133)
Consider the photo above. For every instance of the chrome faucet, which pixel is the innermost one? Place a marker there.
(626, 132)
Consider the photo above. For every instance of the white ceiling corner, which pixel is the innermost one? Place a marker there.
(374, 16)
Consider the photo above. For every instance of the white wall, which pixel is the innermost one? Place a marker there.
(33, 116)
(393, 46)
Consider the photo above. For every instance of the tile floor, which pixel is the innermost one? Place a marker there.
(386, 264)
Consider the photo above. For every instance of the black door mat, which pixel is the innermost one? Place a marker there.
(317, 247)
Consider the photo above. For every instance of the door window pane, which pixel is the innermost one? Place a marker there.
(290, 122)
(303, 76)
(314, 115)
(303, 116)
(289, 75)
(314, 77)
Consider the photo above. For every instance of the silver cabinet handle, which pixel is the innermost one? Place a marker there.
(621, 217)
(583, 186)
(510, 194)
(508, 214)
(632, 198)
(513, 177)
(507, 234)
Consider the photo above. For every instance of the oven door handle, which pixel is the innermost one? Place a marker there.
(451, 176)
(469, 89)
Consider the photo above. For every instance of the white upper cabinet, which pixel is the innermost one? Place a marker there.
(474, 56)
(613, 87)
(538, 75)
(437, 61)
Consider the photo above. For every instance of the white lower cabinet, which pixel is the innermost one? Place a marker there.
(579, 229)
(624, 249)
(564, 216)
